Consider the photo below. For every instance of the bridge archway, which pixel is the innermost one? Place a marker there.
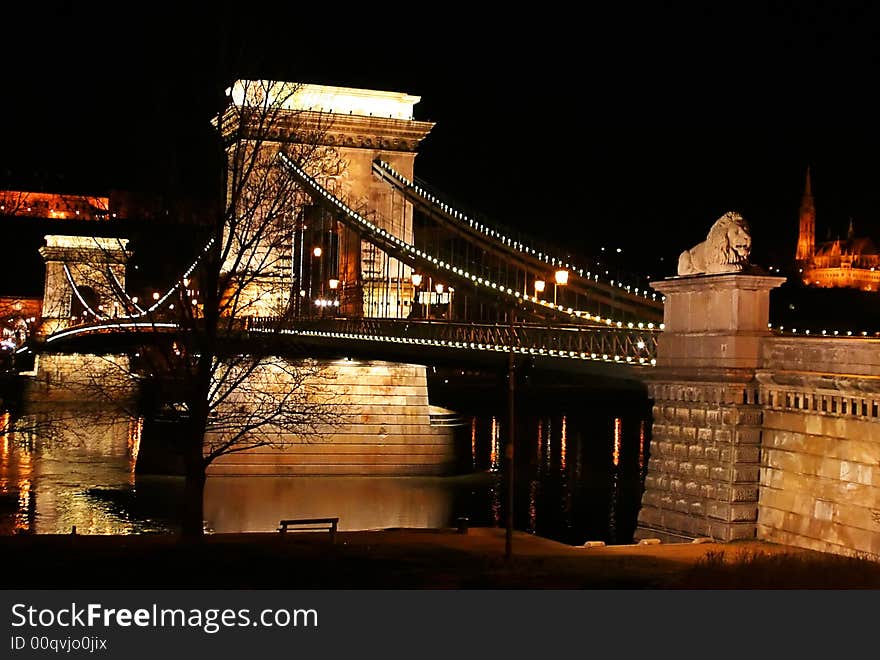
(79, 305)
(83, 275)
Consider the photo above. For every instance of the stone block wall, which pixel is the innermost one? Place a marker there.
(383, 428)
(704, 468)
(79, 378)
(820, 467)
(757, 435)
(705, 461)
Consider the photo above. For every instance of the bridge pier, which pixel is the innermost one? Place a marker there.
(704, 468)
(379, 423)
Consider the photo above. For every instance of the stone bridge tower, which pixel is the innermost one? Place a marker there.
(92, 264)
(350, 127)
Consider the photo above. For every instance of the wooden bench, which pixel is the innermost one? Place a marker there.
(311, 524)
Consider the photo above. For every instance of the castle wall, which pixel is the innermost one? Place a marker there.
(866, 279)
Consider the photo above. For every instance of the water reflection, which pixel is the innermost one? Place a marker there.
(579, 474)
(51, 460)
(17, 500)
(615, 453)
(562, 448)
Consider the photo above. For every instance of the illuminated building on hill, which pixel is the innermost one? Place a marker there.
(53, 205)
(852, 263)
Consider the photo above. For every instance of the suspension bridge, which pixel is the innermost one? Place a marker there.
(493, 295)
(749, 428)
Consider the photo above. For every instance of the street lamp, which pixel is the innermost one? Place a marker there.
(540, 285)
(317, 252)
(439, 289)
(561, 279)
(334, 285)
(416, 282)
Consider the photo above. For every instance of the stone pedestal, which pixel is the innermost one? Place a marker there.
(704, 468)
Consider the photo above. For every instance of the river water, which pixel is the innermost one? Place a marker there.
(579, 473)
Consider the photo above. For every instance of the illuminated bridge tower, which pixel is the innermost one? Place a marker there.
(91, 264)
(324, 260)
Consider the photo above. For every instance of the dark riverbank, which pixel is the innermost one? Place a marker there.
(411, 559)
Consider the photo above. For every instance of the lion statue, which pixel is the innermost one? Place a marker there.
(726, 250)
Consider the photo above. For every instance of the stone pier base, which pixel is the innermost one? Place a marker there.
(383, 426)
(79, 378)
(705, 464)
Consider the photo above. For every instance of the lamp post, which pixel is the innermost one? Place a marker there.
(560, 278)
(417, 283)
(540, 285)
(439, 290)
(318, 252)
(509, 450)
(334, 285)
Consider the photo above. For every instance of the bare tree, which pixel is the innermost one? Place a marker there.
(234, 389)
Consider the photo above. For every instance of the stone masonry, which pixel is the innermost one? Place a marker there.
(820, 467)
(705, 461)
(704, 469)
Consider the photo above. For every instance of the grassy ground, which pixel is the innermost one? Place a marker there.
(412, 559)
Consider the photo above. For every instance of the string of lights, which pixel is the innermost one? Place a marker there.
(128, 299)
(782, 330)
(643, 351)
(466, 221)
(415, 255)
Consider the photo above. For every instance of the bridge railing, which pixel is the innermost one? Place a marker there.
(619, 345)
(633, 346)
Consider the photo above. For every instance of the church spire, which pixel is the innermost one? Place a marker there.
(806, 246)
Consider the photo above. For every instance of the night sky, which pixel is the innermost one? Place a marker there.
(622, 128)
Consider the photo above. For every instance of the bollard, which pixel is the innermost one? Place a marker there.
(73, 530)
(462, 525)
